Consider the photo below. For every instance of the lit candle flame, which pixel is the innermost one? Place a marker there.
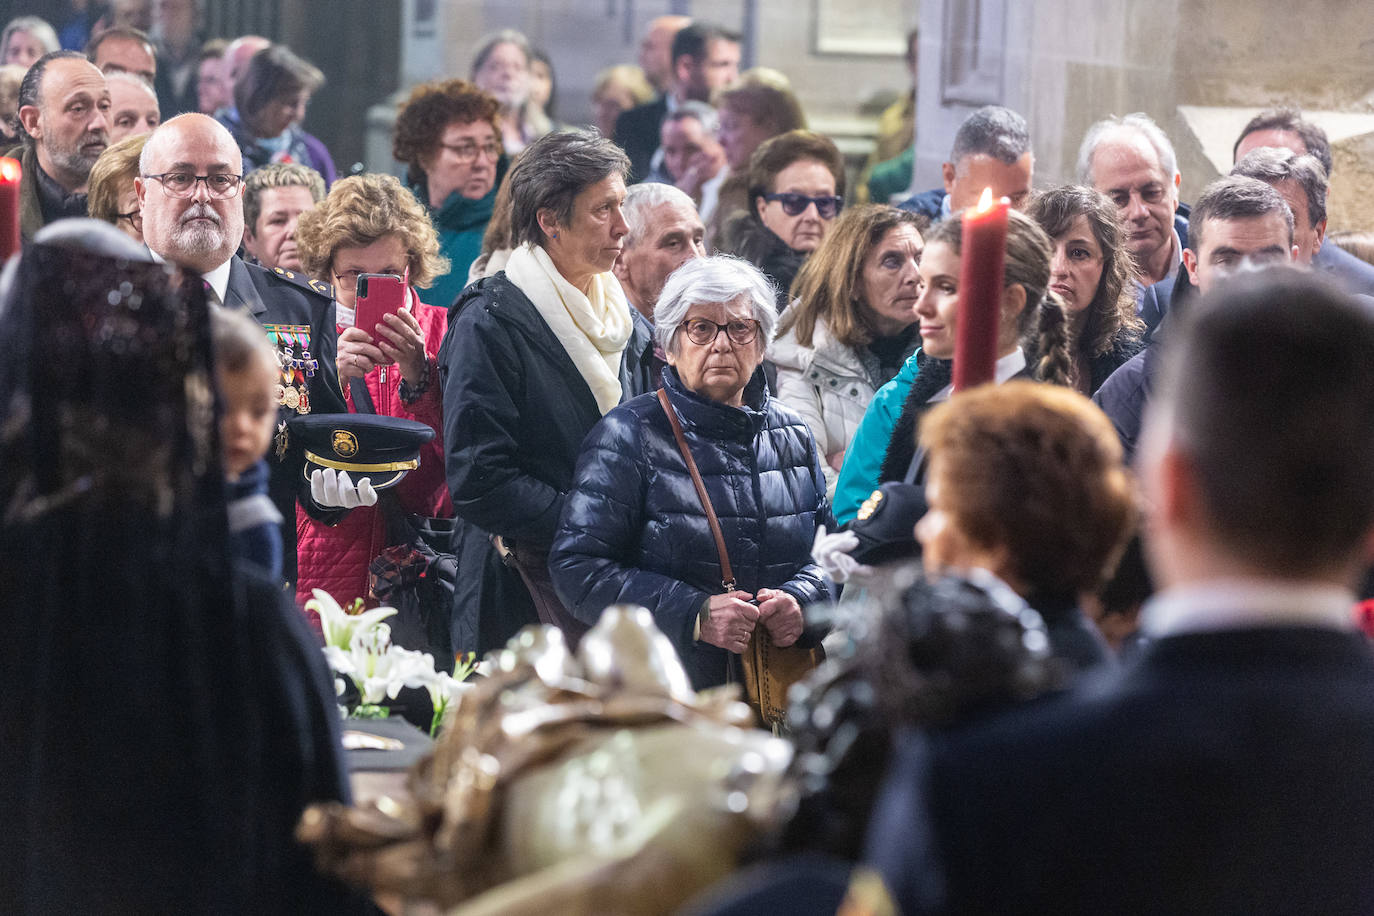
(9, 170)
(984, 202)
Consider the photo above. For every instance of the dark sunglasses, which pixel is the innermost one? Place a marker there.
(796, 204)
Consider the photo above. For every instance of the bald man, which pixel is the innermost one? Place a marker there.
(655, 50)
(64, 109)
(236, 58)
(190, 192)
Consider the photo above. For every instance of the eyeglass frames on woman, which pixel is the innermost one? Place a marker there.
(796, 204)
(183, 184)
(467, 152)
(133, 217)
(703, 331)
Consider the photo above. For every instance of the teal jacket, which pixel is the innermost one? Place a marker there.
(461, 223)
(863, 460)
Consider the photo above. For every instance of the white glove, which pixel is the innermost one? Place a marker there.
(333, 489)
(831, 553)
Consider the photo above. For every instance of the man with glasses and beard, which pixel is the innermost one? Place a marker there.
(190, 188)
(64, 109)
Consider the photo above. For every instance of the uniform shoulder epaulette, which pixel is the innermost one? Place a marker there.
(300, 279)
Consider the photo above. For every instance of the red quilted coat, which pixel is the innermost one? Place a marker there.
(335, 558)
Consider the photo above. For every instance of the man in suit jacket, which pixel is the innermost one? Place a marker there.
(1228, 768)
(705, 58)
(200, 227)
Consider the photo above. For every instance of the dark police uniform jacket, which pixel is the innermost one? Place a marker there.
(288, 299)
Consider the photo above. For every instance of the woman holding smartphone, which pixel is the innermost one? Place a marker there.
(370, 224)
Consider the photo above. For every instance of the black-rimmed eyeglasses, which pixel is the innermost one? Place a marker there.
(796, 204)
(703, 331)
(183, 184)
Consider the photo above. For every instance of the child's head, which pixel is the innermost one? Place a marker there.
(247, 370)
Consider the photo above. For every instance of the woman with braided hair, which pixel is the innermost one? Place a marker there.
(1032, 342)
(1093, 274)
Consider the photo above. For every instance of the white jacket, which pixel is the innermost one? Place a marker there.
(829, 386)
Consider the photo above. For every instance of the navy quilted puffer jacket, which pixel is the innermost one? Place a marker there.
(633, 531)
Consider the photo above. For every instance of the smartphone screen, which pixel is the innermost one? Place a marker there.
(378, 295)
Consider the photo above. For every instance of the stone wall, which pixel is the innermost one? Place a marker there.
(1067, 63)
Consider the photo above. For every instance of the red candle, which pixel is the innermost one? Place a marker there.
(10, 174)
(983, 253)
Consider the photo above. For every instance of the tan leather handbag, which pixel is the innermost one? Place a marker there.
(769, 670)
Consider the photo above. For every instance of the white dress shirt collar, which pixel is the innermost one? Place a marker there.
(1230, 604)
(218, 279)
(1006, 367)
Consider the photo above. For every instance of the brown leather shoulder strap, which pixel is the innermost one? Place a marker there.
(726, 573)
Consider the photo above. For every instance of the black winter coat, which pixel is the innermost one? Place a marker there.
(515, 412)
(634, 531)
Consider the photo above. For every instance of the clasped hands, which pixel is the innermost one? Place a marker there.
(732, 619)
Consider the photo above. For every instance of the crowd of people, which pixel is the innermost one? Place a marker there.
(677, 359)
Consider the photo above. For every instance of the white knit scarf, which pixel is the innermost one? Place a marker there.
(592, 329)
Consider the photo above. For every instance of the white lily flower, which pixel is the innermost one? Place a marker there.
(380, 674)
(444, 688)
(338, 625)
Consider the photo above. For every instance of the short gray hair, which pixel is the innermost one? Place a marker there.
(1272, 164)
(124, 76)
(705, 115)
(720, 278)
(1139, 123)
(39, 28)
(1235, 197)
(992, 131)
(552, 171)
(491, 41)
(642, 199)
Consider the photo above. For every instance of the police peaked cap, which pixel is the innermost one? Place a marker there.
(382, 449)
(885, 525)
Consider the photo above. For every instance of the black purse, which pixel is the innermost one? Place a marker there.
(417, 575)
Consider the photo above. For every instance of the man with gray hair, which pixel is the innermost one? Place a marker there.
(992, 149)
(1238, 224)
(1301, 182)
(1287, 129)
(1131, 161)
(274, 197)
(692, 158)
(665, 233)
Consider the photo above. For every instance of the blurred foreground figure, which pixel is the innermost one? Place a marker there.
(1227, 768)
(588, 783)
(167, 720)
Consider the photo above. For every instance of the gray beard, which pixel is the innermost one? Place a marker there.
(73, 161)
(198, 238)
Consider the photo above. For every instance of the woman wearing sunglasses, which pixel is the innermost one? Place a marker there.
(796, 188)
(633, 529)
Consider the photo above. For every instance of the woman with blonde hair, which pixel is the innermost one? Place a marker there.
(851, 325)
(371, 224)
(618, 89)
(110, 195)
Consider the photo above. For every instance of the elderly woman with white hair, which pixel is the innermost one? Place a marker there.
(633, 528)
